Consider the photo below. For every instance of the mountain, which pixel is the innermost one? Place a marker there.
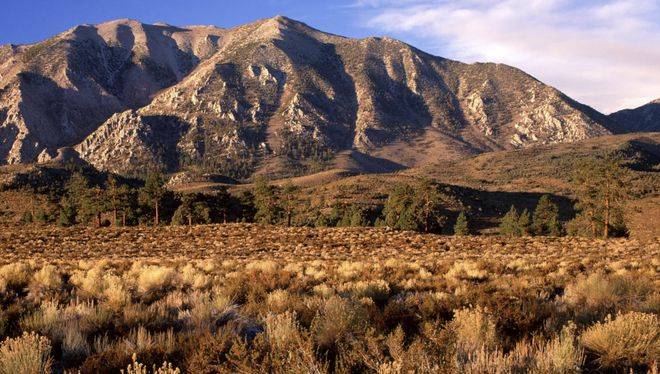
(642, 119)
(274, 96)
(55, 93)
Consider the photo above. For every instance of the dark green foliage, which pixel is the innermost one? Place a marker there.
(40, 216)
(416, 208)
(345, 220)
(288, 202)
(303, 146)
(268, 209)
(245, 207)
(525, 222)
(193, 210)
(358, 217)
(32, 52)
(152, 194)
(119, 200)
(27, 217)
(80, 199)
(601, 189)
(397, 207)
(461, 227)
(546, 218)
(221, 205)
(67, 214)
(510, 224)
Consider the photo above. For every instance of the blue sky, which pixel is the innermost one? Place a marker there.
(604, 53)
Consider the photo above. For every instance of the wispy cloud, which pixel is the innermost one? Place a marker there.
(603, 53)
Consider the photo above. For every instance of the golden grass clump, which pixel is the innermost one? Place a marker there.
(597, 295)
(155, 279)
(376, 290)
(278, 300)
(48, 278)
(194, 278)
(467, 270)
(137, 368)
(474, 328)
(630, 339)
(336, 319)
(29, 353)
(562, 354)
(14, 276)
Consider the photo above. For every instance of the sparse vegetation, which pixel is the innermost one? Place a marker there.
(252, 298)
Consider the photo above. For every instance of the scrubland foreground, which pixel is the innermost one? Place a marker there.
(257, 299)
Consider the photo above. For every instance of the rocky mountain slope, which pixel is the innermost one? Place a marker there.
(56, 92)
(272, 96)
(643, 118)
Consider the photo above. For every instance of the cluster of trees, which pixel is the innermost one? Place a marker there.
(544, 221)
(417, 207)
(601, 192)
(118, 204)
(599, 187)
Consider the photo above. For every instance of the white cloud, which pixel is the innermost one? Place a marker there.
(603, 53)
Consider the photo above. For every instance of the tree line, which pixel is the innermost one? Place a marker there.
(601, 192)
(599, 186)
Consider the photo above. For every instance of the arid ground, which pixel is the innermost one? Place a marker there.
(253, 298)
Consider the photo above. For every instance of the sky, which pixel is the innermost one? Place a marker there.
(605, 53)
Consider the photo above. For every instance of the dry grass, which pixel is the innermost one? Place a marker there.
(266, 299)
(629, 339)
(28, 354)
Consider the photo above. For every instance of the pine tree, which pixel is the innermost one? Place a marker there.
(345, 220)
(288, 201)
(193, 210)
(118, 200)
(153, 193)
(415, 208)
(87, 202)
(396, 210)
(510, 225)
(244, 207)
(525, 222)
(546, 217)
(266, 203)
(602, 192)
(184, 213)
(76, 192)
(93, 205)
(427, 206)
(220, 205)
(358, 218)
(67, 213)
(461, 226)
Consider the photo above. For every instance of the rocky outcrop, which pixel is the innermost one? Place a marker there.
(238, 100)
(55, 93)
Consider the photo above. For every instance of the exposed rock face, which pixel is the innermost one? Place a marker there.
(232, 101)
(644, 118)
(55, 93)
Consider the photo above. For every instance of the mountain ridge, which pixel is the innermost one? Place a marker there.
(272, 96)
(643, 118)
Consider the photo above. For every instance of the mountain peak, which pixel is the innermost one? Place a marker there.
(282, 19)
(267, 96)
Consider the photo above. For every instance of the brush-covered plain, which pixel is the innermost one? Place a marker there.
(251, 298)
